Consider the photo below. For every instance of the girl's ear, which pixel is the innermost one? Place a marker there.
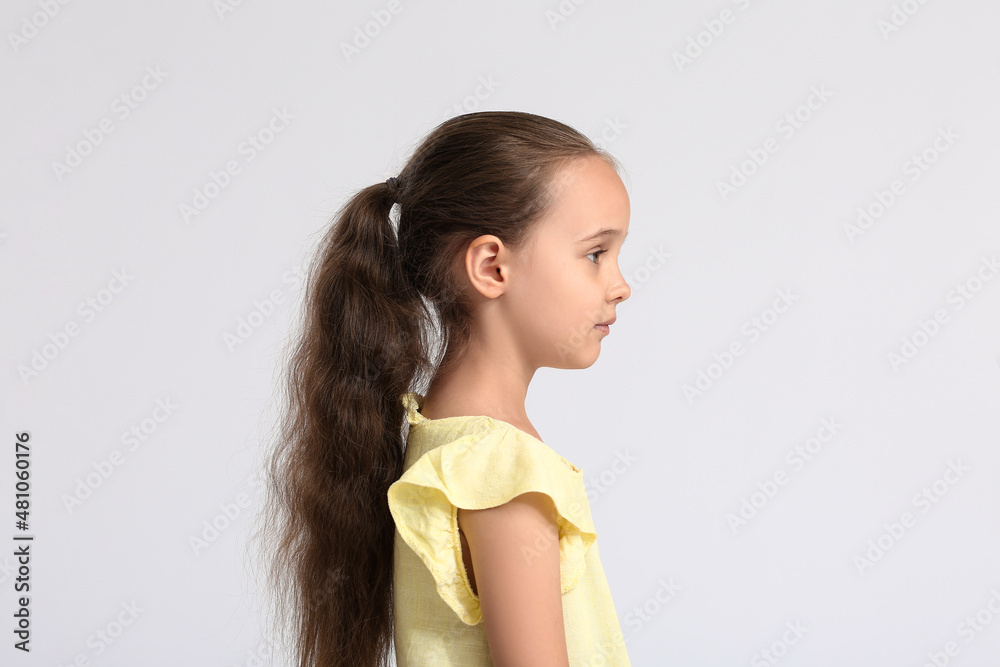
(486, 265)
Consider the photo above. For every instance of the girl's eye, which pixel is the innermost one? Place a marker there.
(595, 253)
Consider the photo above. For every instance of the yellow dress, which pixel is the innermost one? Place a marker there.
(476, 463)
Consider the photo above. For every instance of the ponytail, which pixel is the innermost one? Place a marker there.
(341, 443)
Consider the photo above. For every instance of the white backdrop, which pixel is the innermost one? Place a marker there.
(790, 438)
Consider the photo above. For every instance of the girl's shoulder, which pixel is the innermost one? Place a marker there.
(480, 431)
(473, 463)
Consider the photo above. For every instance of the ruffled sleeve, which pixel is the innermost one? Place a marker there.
(479, 471)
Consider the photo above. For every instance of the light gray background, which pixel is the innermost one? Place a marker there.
(683, 466)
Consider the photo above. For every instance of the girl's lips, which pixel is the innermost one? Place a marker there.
(606, 329)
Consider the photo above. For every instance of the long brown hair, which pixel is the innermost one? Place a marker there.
(376, 300)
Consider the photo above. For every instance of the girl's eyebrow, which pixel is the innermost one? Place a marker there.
(607, 232)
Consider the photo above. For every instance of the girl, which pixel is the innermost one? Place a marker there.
(474, 544)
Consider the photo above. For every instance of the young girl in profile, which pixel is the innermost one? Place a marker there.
(414, 506)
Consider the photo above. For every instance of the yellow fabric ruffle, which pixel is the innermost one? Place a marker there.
(489, 466)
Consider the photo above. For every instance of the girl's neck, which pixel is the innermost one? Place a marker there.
(467, 391)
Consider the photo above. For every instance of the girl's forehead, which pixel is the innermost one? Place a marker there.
(588, 197)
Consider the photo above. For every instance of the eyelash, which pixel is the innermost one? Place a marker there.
(596, 252)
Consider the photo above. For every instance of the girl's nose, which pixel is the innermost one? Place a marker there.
(620, 290)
